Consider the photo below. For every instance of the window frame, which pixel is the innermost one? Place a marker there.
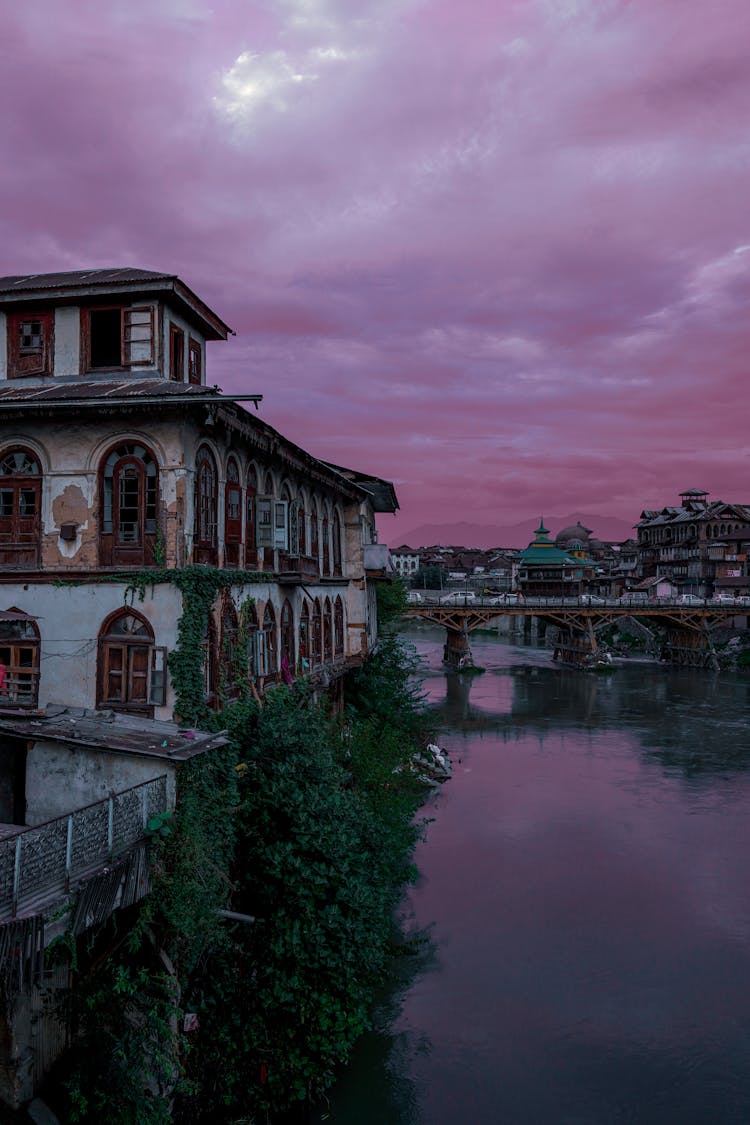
(23, 544)
(176, 353)
(195, 369)
(20, 365)
(128, 647)
(112, 550)
(232, 523)
(15, 669)
(127, 312)
(206, 508)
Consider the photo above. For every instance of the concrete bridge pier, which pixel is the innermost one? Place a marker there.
(457, 651)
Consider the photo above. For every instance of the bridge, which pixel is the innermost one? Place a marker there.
(688, 625)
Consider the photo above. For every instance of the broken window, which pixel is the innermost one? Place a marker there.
(20, 504)
(195, 365)
(131, 670)
(130, 486)
(176, 353)
(30, 344)
(19, 660)
(328, 630)
(118, 337)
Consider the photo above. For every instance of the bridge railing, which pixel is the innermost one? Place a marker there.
(515, 601)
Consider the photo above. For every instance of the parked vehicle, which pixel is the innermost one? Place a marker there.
(591, 599)
(691, 599)
(413, 597)
(458, 597)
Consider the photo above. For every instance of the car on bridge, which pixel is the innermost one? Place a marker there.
(591, 599)
(413, 597)
(459, 597)
(691, 599)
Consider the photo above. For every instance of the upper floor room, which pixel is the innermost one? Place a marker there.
(99, 323)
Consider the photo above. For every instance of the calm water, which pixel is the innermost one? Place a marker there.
(586, 892)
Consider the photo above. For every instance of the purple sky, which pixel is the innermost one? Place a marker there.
(495, 250)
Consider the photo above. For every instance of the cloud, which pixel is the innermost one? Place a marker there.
(507, 239)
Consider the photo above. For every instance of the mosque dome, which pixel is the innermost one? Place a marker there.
(573, 538)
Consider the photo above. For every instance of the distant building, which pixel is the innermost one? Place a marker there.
(544, 570)
(405, 561)
(700, 544)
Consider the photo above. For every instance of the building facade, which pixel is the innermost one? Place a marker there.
(701, 545)
(117, 458)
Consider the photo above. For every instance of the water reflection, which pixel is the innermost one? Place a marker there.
(585, 881)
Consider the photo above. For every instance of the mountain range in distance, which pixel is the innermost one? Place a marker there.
(468, 535)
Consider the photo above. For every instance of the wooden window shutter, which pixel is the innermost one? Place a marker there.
(138, 337)
(264, 536)
(159, 676)
(281, 524)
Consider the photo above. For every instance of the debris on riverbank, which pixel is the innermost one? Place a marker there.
(432, 766)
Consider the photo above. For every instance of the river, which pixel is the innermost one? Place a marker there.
(585, 890)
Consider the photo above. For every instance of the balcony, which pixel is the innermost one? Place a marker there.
(377, 558)
(40, 865)
(295, 569)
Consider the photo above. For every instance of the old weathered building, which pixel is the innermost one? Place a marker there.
(126, 481)
(700, 544)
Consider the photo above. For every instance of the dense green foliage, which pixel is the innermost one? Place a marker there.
(307, 824)
(391, 600)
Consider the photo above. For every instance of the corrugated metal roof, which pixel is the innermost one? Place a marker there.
(20, 289)
(101, 391)
(104, 730)
(20, 283)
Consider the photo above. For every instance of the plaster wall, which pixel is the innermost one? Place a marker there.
(61, 777)
(67, 360)
(69, 620)
(172, 317)
(3, 346)
(71, 456)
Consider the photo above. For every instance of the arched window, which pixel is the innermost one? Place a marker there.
(271, 654)
(287, 640)
(130, 486)
(232, 514)
(251, 491)
(314, 533)
(327, 630)
(336, 542)
(20, 506)
(316, 648)
(228, 653)
(326, 542)
(338, 627)
(304, 637)
(206, 505)
(19, 659)
(292, 531)
(126, 662)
